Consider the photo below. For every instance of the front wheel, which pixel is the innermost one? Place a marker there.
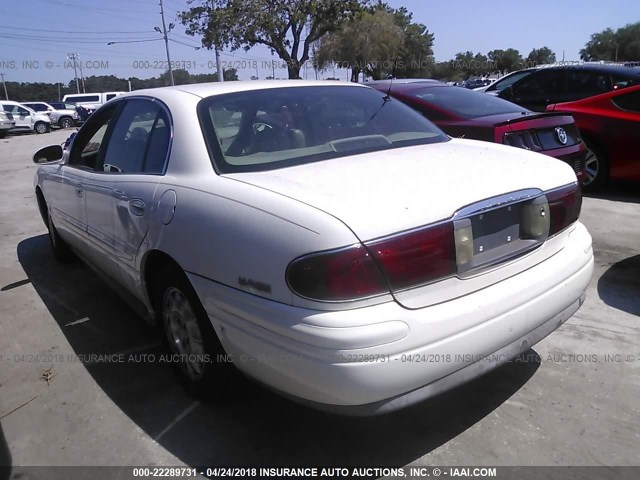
(196, 353)
(41, 127)
(59, 247)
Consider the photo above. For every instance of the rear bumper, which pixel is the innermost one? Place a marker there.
(380, 358)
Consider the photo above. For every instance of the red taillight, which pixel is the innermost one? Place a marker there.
(407, 259)
(417, 257)
(564, 206)
(338, 275)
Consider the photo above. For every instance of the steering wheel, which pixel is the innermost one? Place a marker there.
(260, 127)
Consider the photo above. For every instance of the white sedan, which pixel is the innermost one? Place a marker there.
(319, 237)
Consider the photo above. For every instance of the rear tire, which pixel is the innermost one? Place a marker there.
(596, 166)
(41, 127)
(197, 355)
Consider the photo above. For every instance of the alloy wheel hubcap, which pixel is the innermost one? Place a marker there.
(591, 166)
(183, 332)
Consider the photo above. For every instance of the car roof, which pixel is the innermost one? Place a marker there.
(406, 86)
(606, 67)
(219, 88)
(401, 81)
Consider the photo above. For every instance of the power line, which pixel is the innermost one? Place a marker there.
(93, 32)
(95, 9)
(67, 41)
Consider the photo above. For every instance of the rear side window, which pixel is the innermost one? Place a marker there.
(38, 107)
(140, 139)
(587, 83)
(84, 98)
(629, 101)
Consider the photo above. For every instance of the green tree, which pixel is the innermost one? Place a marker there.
(287, 27)
(230, 74)
(619, 45)
(506, 60)
(369, 43)
(415, 57)
(540, 56)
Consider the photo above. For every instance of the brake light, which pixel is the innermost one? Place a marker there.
(417, 257)
(564, 207)
(344, 274)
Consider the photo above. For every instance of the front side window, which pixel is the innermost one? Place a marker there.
(509, 80)
(140, 139)
(274, 128)
(89, 145)
(545, 82)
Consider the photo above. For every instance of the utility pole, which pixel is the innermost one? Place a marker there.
(73, 56)
(164, 33)
(81, 75)
(6, 96)
(219, 66)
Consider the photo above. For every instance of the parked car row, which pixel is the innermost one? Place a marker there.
(467, 114)
(39, 117)
(597, 132)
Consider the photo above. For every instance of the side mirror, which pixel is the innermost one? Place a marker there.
(52, 153)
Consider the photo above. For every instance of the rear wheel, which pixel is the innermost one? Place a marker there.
(196, 353)
(65, 122)
(596, 166)
(41, 127)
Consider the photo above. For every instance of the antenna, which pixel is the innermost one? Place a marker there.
(393, 74)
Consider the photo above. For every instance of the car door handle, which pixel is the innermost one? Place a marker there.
(79, 189)
(136, 207)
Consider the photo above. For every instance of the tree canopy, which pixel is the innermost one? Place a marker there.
(379, 41)
(622, 44)
(540, 56)
(366, 44)
(287, 27)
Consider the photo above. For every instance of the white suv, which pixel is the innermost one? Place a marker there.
(61, 118)
(26, 119)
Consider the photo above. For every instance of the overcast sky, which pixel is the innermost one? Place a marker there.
(37, 35)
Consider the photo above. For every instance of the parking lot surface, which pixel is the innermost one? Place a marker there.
(574, 401)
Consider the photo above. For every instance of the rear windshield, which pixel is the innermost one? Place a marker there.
(274, 128)
(465, 103)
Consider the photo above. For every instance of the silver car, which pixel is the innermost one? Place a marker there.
(61, 118)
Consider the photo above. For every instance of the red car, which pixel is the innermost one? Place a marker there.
(610, 126)
(464, 113)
